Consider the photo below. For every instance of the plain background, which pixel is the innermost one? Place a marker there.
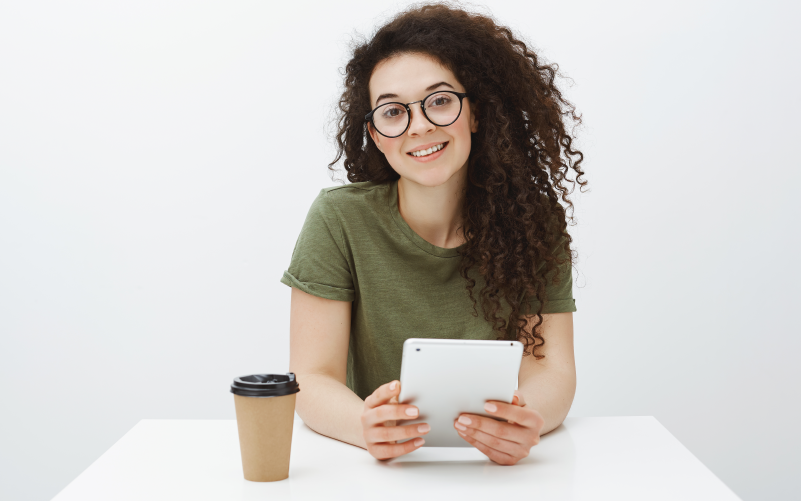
(157, 159)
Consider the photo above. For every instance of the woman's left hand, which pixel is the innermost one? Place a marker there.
(507, 442)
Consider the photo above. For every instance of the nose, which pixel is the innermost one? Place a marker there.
(419, 124)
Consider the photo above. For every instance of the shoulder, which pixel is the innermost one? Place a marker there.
(353, 190)
(355, 196)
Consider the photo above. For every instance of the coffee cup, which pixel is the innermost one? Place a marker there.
(265, 411)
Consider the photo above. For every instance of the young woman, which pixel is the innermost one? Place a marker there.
(453, 139)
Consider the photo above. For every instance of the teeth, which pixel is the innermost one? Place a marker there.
(429, 151)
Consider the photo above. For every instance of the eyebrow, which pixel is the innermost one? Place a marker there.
(429, 88)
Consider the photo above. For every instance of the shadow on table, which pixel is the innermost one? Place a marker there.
(559, 440)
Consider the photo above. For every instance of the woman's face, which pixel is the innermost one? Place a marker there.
(411, 77)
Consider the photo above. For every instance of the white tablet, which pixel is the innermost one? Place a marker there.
(446, 377)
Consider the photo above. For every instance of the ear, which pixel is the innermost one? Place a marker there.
(473, 121)
(375, 136)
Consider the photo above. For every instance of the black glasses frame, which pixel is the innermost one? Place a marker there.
(461, 95)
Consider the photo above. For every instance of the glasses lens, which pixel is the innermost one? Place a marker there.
(390, 119)
(443, 108)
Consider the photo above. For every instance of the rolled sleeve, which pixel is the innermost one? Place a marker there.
(320, 260)
(320, 290)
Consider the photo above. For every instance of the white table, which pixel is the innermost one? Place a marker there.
(609, 458)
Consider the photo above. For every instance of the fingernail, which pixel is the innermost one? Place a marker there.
(418, 442)
(411, 411)
(462, 434)
(490, 407)
(392, 385)
(464, 420)
(423, 428)
(459, 427)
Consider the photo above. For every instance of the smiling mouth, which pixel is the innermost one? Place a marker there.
(429, 151)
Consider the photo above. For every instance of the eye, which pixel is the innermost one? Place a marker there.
(392, 111)
(439, 100)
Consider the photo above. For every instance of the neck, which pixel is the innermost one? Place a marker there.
(434, 213)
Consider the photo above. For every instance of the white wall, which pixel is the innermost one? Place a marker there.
(157, 160)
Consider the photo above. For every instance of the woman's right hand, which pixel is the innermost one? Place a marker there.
(381, 412)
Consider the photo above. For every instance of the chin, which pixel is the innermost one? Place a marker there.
(430, 178)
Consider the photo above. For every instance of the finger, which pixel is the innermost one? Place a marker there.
(380, 434)
(388, 412)
(524, 416)
(496, 456)
(514, 449)
(502, 430)
(382, 394)
(515, 401)
(387, 451)
(520, 400)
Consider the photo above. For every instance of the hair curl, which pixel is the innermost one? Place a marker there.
(517, 172)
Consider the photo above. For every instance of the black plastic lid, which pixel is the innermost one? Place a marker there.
(265, 385)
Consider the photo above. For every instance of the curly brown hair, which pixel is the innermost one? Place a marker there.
(512, 216)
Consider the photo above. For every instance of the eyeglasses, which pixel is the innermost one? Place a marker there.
(441, 108)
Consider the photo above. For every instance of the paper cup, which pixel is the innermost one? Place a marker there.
(265, 411)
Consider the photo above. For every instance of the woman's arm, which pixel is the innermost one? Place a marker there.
(319, 330)
(549, 384)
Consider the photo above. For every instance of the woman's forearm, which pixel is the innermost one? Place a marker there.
(551, 394)
(330, 408)
(548, 385)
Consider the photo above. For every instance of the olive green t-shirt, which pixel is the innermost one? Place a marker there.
(355, 246)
